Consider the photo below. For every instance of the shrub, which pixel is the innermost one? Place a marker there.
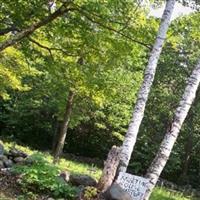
(40, 175)
(90, 193)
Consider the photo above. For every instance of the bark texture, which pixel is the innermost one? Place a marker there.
(64, 126)
(170, 137)
(29, 30)
(110, 168)
(138, 113)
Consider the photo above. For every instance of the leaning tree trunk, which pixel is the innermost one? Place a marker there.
(138, 113)
(110, 168)
(64, 126)
(167, 144)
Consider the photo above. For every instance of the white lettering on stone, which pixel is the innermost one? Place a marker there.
(136, 186)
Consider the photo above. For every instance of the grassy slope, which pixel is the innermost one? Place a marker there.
(163, 194)
(76, 167)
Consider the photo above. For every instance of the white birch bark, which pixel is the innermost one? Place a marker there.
(167, 144)
(138, 113)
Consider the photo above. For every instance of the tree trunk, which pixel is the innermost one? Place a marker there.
(189, 143)
(138, 113)
(29, 30)
(170, 137)
(56, 135)
(186, 160)
(64, 126)
(110, 168)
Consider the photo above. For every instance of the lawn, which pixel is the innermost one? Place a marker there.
(163, 194)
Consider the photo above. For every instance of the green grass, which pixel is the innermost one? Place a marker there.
(163, 194)
(158, 194)
(68, 165)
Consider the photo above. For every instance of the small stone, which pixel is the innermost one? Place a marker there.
(3, 158)
(10, 157)
(65, 175)
(14, 152)
(84, 180)
(50, 198)
(115, 192)
(1, 149)
(18, 159)
(1, 164)
(17, 153)
(8, 163)
(28, 161)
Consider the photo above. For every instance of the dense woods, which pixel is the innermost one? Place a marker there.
(77, 77)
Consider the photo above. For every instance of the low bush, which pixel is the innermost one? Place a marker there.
(38, 175)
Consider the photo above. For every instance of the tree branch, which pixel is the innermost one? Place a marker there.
(41, 45)
(50, 49)
(29, 30)
(80, 10)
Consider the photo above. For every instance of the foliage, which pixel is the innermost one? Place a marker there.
(90, 193)
(158, 194)
(42, 176)
(42, 166)
(72, 165)
(99, 50)
(13, 69)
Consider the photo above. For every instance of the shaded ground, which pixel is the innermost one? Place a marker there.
(11, 190)
(8, 185)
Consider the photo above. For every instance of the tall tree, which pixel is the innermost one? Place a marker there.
(138, 113)
(170, 137)
(63, 130)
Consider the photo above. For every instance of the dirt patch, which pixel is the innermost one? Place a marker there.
(9, 184)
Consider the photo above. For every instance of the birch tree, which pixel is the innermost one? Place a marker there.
(138, 113)
(170, 137)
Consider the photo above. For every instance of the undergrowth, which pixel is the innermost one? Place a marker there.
(41, 176)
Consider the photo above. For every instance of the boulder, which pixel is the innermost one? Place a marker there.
(8, 163)
(29, 161)
(17, 153)
(1, 149)
(65, 176)
(3, 158)
(115, 192)
(84, 180)
(18, 160)
(1, 164)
